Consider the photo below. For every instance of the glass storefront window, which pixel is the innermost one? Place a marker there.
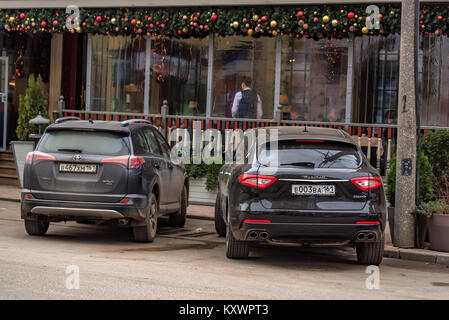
(179, 75)
(238, 58)
(118, 73)
(313, 79)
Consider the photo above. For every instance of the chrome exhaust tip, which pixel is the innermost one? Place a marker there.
(253, 235)
(371, 236)
(263, 235)
(123, 222)
(361, 236)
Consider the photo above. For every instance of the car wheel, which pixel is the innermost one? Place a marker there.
(147, 233)
(37, 227)
(370, 253)
(220, 225)
(235, 249)
(178, 219)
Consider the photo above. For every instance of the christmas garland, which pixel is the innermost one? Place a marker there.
(316, 22)
(309, 21)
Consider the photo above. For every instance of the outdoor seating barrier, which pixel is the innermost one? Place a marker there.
(377, 141)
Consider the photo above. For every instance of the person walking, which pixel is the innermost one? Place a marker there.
(247, 103)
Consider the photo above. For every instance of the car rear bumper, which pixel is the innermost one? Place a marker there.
(77, 210)
(318, 227)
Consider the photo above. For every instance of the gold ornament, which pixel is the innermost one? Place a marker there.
(247, 25)
(117, 29)
(365, 30)
(255, 17)
(235, 24)
(305, 26)
(273, 24)
(33, 24)
(184, 18)
(326, 19)
(334, 22)
(184, 30)
(78, 30)
(250, 32)
(274, 33)
(113, 20)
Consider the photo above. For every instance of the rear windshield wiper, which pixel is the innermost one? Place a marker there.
(300, 164)
(71, 150)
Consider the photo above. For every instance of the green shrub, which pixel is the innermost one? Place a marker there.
(436, 147)
(426, 191)
(210, 171)
(30, 106)
(438, 207)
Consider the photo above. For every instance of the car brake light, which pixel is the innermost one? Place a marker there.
(123, 160)
(29, 158)
(256, 221)
(256, 181)
(131, 162)
(29, 196)
(368, 222)
(40, 156)
(135, 162)
(367, 183)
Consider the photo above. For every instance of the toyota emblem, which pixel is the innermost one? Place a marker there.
(76, 157)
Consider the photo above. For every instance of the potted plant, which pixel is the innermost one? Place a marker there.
(426, 193)
(437, 212)
(203, 183)
(31, 105)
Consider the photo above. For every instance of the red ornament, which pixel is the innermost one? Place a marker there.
(149, 18)
(95, 24)
(195, 19)
(424, 12)
(99, 18)
(55, 23)
(264, 18)
(167, 19)
(351, 15)
(180, 32)
(151, 25)
(133, 22)
(162, 25)
(139, 30)
(421, 22)
(84, 24)
(43, 24)
(22, 16)
(315, 20)
(126, 19)
(440, 18)
(244, 20)
(300, 14)
(198, 13)
(213, 17)
(298, 36)
(380, 16)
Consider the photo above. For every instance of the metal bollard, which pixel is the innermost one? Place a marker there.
(164, 113)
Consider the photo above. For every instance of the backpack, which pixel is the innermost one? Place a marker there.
(248, 105)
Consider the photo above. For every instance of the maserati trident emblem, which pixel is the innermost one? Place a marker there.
(76, 157)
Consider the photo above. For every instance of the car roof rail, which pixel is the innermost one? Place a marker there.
(131, 121)
(60, 120)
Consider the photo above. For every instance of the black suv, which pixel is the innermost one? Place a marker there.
(103, 171)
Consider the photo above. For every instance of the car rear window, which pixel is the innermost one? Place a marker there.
(88, 142)
(319, 154)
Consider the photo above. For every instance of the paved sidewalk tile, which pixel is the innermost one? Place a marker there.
(11, 193)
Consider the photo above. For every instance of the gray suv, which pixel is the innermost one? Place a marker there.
(103, 172)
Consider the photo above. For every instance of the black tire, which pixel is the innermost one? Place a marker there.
(370, 253)
(36, 227)
(235, 249)
(178, 219)
(147, 233)
(220, 225)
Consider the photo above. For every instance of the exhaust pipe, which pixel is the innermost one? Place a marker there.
(123, 222)
(371, 236)
(253, 235)
(361, 236)
(263, 235)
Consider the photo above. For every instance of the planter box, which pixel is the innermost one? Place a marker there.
(198, 193)
(439, 232)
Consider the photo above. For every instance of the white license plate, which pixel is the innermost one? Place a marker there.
(77, 168)
(313, 190)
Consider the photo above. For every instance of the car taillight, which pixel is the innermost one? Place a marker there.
(40, 156)
(130, 162)
(257, 181)
(256, 221)
(135, 162)
(367, 183)
(29, 158)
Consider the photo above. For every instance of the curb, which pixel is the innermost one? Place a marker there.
(411, 255)
(9, 199)
(194, 216)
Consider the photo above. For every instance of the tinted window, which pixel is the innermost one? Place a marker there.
(313, 154)
(151, 141)
(90, 142)
(140, 143)
(164, 146)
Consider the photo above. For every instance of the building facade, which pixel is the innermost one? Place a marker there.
(315, 63)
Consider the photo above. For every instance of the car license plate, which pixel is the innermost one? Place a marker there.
(77, 168)
(313, 190)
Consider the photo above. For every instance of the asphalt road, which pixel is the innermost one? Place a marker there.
(190, 263)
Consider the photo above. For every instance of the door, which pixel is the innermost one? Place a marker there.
(175, 172)
(3, 101)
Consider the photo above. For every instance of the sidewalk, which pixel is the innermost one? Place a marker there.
(12, 193)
